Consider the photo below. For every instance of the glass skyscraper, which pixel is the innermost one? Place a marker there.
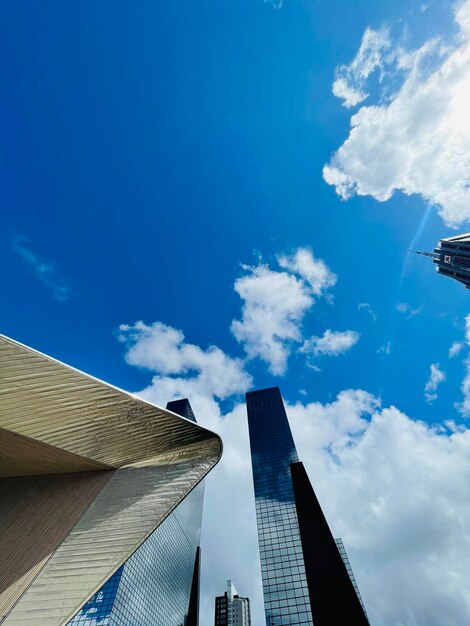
(305, 580)
(154, 586)
(285, 590)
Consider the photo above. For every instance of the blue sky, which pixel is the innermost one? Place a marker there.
(152, 153)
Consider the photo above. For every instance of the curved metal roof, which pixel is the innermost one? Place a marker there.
(87, 471)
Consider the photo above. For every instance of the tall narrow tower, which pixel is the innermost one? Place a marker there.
(305, 580)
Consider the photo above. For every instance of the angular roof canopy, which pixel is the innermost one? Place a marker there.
(87, 472)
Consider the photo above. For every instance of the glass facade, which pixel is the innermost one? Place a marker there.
(153, 587)
(286, 596)
(344, 556)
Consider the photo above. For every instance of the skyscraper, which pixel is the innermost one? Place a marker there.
(452, 258)
(231, 609)
(87, 473)
(305, 580)
(154, 587)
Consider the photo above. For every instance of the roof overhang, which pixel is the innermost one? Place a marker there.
(87, 471)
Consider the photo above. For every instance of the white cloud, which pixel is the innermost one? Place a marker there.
(367, 307)
(350, 96)
(350, 80)
(418, 141)
(464, 406)
(467, 329)
(404, 524)
(331, 343)
(182, 369)
(407, 309)
(455, 349)
(315, 271)
(45, 270)
(436, 377)
(462, 17)
(275, 304)
(273, 309)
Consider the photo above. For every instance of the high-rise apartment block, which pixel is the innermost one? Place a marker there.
(305, 580)
(231, 609)
(100, 500)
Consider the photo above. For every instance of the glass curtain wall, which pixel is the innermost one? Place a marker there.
(286, 597)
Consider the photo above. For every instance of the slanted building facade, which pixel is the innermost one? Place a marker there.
(159, 584)
(305, 580)
(87, 474)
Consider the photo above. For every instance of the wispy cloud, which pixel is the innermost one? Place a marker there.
(455, 349)
(350, 80)
(385, 349)
(367, 307)
(331, 343)
(45, 270)
(407, 309)
(436, 377)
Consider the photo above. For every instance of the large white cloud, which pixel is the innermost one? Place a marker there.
(418, 141)
(275, 303)
(405, 524)
(395, 489)
(45, 270)
(182, 369)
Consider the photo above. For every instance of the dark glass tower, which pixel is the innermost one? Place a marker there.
(159, 584)
(305, 580)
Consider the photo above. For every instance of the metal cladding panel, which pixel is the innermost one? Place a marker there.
(52, 403)
(160, 457)
(51, 505)
(464, 238)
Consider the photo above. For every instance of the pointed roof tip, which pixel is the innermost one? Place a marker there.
(182, 407)
(432, 255)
